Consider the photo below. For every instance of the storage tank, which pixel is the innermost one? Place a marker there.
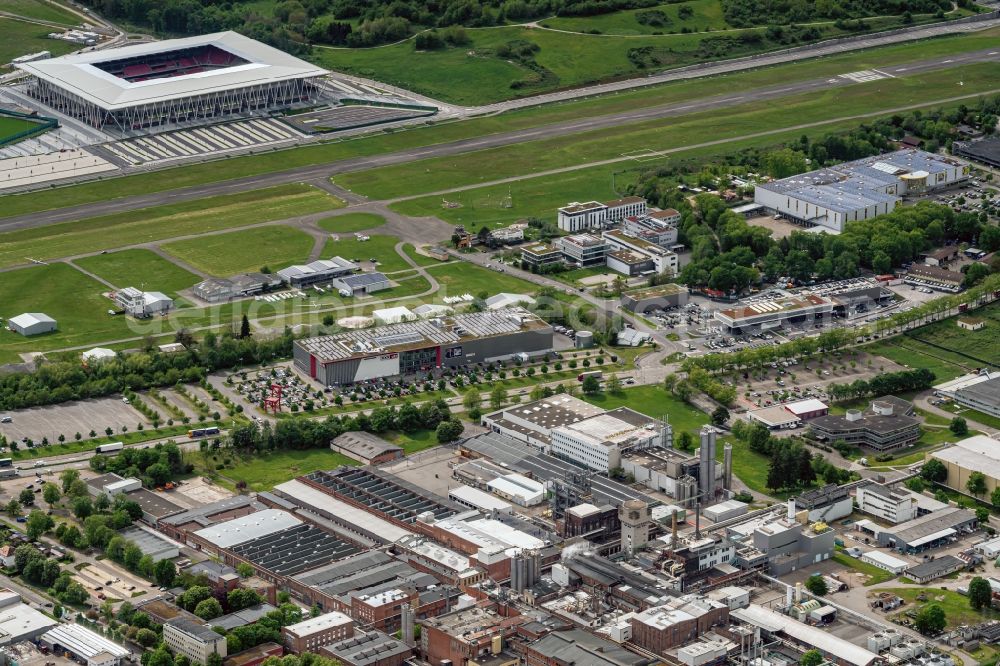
(584, 340)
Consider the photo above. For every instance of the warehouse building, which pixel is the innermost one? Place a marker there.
(366, 448)
(19, 621)
(220, 290)
(474, 498)
(212, 76)
(775, 417)
(885, 561)
(938, 567)
(422, 346)
(518, 489)
(978, 453)
(930, 531)
(765, 315)
(985, 150)
(316, 272)
(361, 284)
(660, 297)
(86, 646)
(882, 427)
(980, 395)
(31, 323)
(831, 197)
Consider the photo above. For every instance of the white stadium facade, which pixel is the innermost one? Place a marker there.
(212, 76)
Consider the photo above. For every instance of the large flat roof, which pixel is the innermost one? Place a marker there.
(79, 74)
(248, 528)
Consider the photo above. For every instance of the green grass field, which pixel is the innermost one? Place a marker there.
(707, 15)
(10, 126)
(379, 247)
(654, 95)
(873, 573)
(473, 74)
(42, 10)
(533, 197)
(154, 224)
(18, 38)
(139, 268)
(955, 606)
(243, 251)
(967, 346)
(687, 130)
(348, 223)
(915, 354)
(461, 278)
(64, 293)
(420, 259)
(655, 402)
(265, 471)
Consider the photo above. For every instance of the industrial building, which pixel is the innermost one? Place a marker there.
(366, 448)
(517, 488)
(142, 304)
(831, 197)
(310, 634)
(360, 284)
(978, 453)
(31, 323)
(19, 621)
(194, 640)
(598, 442)
(935, 277)
(980, 392)
(474, 498)
(422, 346)
(826, 504)
(86, 646)
(678, 622)
(985, 150)
(924, 533)
(883, 427)
(765, 315)
(885, 561)
(201, 78)
(316, 272)
(938, 567)
(368, 648)
(894, 505)
(660, 297)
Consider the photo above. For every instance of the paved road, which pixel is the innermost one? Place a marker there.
(323, 171)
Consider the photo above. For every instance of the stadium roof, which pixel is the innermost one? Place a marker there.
(79, 75)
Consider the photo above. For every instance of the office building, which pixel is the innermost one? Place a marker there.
(583, 250)
(313, 633)
(882, 427)
(537, 256)
(194, 640)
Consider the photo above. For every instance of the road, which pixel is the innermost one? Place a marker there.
(322, 172)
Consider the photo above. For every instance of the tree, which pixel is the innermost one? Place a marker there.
(165, 572)
(995, 498)
(472, 400)
(720, 416)
(976, 483)
(26, 497)
(82, 507)
(449, 431)
(68, 477)
(613, 385)
(13, 508)
(934, 471)
(244, 570)
(146, 637)
(241, 598)
(193, 596)
(38, 524)
(980, 593)
(591, 385)
(685, 442)
(817, 585)
(208, 608)
(931, 619)
(244, 328)
(811, 658)
(497, 397)
(959, 427)
(50, 493)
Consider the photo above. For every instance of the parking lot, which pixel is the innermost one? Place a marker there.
(68, 419)
(107, 580)
(196, 491)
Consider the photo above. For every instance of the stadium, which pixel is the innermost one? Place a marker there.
(213, 76)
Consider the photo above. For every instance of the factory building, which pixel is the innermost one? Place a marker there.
(422, 346)
(310, 634)
(973, 454)
(826, 504)
(86, 646)
(659, 297)
(895, 505)
(677, 623)
(599, 441)
(929, 531)
(832, 197)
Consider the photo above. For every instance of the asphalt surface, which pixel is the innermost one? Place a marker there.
(324, 171)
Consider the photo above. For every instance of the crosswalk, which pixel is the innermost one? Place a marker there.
(201, 141)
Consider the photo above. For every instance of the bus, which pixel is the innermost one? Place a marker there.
(203, 432)
(109, 448)
(6, 462)
(596, 374)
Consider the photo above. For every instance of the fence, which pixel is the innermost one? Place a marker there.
(42, 124)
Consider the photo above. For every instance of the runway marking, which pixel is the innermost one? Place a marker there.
(879, 71)
(865, 76)
(992, 53)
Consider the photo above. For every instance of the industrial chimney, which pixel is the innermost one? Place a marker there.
(706, 465)
(727, 467)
